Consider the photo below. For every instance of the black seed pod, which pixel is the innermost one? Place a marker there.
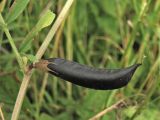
(101, 79)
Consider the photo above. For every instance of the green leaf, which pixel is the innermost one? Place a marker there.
(44, 21)
(130, 111)
(93, 99)
(30, 57)
(16, 9)
(45, 117)
(149, 114)
(8, 93)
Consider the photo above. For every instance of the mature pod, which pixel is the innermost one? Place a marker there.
(89, 77)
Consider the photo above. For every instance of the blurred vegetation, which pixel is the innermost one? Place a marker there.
(99, 33)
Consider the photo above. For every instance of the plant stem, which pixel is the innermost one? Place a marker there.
(21, 95)
(1, 113)
(11, 41)
(54, 28)
(39, 54)
(118, 105)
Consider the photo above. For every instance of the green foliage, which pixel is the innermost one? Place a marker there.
(16, 9)
(44, 21)
(45, 117)
(99, 33)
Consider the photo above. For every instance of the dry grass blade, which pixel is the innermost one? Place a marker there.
(20, 96)
(1, 113)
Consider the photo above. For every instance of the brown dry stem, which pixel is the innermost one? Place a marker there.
(118, 105)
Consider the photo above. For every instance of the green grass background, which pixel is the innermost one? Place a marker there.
(99, 33)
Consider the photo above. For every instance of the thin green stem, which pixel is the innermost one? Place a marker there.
(11, 41)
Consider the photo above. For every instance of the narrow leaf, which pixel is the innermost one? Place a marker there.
(44, 21)
(44, 116)
(16, 9)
